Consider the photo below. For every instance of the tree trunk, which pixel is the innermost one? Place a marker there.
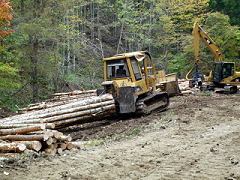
(12, 147)
(34, 74)
(51, 111)
(22, 130)
(10, 126)
(32, 145)
(39, 137)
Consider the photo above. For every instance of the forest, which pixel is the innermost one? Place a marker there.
(49, 46)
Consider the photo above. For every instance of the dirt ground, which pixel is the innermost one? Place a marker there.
(198, 137)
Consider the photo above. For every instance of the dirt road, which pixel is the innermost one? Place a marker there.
(198, 137)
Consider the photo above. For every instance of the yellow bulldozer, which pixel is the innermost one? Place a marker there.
(136, 86)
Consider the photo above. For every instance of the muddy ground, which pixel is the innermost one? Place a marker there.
(198, 137)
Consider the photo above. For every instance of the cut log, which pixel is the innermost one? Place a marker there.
(80, 112)
(55, 145)
(69, 145)
(65, 138)
(50, 151)
(59, 151)
(54, 140)
(12, 147)
(35, 115)
(63, 146)
(79, 144)
(39, 137)
(76, 95)
(57, 134)
(48, 133)
(51, 146)
(22, 130)
(32, 145)
(49, 141)
(9, 126)
(83, 119)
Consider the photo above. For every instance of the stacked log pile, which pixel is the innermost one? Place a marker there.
(60, 99)
(36, 127)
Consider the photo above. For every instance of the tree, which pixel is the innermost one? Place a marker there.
(5, 17)
(172, 24)
(226, 36)
(54, 51)
(8, 71)
(227, 7)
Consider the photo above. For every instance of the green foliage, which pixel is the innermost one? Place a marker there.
(227, 7)
(8, 76)
(225, 36)
(179, 65)
(59, 42)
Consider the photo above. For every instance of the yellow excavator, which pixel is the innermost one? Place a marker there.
(223, 77)
(135, 85)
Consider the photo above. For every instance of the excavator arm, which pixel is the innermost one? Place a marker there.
(199, 33)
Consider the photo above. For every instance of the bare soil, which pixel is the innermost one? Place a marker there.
(198, 137)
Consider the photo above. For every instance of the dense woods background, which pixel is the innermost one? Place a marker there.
(58, 45)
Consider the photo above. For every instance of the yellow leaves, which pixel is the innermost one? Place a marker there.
(5, 17)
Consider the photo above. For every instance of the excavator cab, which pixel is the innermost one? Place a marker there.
(222, 70)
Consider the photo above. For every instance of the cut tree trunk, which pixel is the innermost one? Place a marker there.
(38, 137)
(22, 130)
(32, 145)
(60, 112)
(79, 144)
(65, 138)
(12, 147)
(69, 145)
(83, 119)
(10, 126)
(92, 112)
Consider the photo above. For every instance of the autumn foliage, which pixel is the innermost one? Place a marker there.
(5, 18)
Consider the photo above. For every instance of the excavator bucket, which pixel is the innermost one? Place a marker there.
(168, 83)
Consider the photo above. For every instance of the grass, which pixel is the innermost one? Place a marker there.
(205, 93)
(134, 132)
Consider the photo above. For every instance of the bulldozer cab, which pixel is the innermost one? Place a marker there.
(117, 68)
(134, 69)
(132, 80)
(123, 66)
